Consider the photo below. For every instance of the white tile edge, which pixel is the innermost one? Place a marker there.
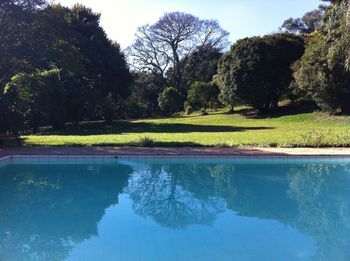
(159, 156)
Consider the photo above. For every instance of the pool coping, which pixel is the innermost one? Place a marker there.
(180, 152)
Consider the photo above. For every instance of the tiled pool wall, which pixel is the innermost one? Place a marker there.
(151, 158)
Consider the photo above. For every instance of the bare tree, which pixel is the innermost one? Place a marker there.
(173, 37)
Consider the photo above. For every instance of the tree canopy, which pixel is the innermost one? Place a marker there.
(324, 69)
(172, 38)
(36, 37)
(57, 65)
(257, 70)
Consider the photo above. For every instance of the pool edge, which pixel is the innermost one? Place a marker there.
(183, 152)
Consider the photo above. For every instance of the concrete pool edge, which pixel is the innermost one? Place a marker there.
(171, 152)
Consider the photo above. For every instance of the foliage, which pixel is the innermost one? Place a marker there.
(201, 65)
(145, 142)
(59, 66)
(323, 75)
(309, 23)
(202, 95)
(36, 37)
(172, 38)
(170, 101)
(258, 71)
(188, 108)
(39, 97)
(110, 108)
(144, 92)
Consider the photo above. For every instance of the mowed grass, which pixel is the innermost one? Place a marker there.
(217, 129)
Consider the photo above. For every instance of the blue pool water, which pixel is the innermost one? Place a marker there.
(167, 209)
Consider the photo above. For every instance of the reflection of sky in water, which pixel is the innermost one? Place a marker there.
(175, 210)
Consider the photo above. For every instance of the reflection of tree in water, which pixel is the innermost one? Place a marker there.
(177, 195)
(260, 191)
(43, 216)
(322, 192)
(46, 209)
(313, 198)
(174, 196)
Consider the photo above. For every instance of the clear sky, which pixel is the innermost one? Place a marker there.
(242, 18)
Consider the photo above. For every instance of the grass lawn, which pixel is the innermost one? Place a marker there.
(216, 129)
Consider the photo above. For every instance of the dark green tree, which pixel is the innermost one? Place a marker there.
(203, 95)
(258, 71)
(35, 37)
(201, 65)
(170, 100)
(323, 75)
(39, 97)
(144, 93)
(110, 108)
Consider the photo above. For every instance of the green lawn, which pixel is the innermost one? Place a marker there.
(218, 129)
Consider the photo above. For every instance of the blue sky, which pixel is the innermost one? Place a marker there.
(242, 18)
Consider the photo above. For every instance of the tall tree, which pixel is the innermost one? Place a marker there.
(309, 23)
(324, 69)
(201, 65)
(258, 70)
(171, 39)
(36, 37)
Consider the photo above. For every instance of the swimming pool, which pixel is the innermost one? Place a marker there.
(174, 209)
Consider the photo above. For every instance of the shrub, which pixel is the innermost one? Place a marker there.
(189, 109)
(202, 94)
(109, 108)
(145, 142)
(170, 101)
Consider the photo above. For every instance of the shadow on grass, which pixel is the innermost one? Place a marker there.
(135, 144)
(120, 127)
(285, 110)
(11, 141)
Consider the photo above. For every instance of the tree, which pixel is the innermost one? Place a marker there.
(110, 107)
(203, 94)
(257, 70)
(171, 39)
(170, 101)
(27, 4)
(145, 90)
(201, 65)
(91, 67)
(39, 97)
(226, 96)
(309, 23)
(323, 73)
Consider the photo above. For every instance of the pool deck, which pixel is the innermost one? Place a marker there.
(209, 151)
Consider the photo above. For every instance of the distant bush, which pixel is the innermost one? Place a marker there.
(109, 108)
(188, 109)
(145, 142)
(170, 101)
(203, 95)
(316, 138)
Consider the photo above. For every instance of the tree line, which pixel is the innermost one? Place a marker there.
(58, 66)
